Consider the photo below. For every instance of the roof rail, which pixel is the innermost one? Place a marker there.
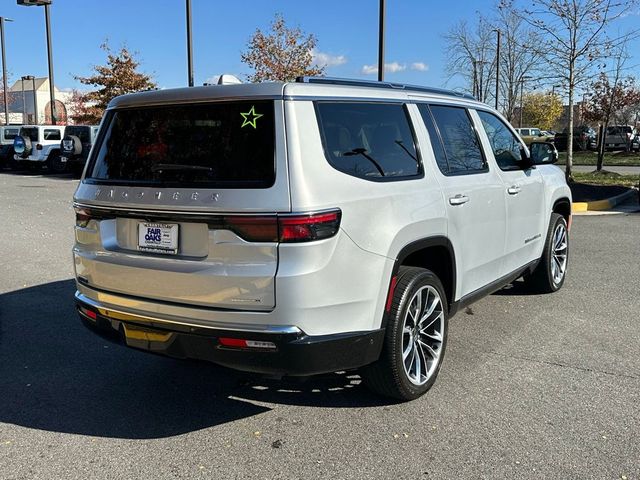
(376, 84)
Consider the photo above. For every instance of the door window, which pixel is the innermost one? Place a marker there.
(459, 139)
(506, 147)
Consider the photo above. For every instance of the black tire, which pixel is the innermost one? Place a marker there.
(388, 376)
(54, 164)
(543, 280)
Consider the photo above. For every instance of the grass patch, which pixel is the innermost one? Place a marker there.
(606, 178)
(610, 158)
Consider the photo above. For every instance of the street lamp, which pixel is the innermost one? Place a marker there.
(381, 42)
(522, 79)
(46, 4)
(189, 45)
(4, 70)
(35, 97)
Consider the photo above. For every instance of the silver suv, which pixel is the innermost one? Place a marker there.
(312, 226)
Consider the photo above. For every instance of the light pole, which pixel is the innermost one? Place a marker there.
(497, 65)
(522, 79)
(4, 70)
(46, 4)
(189, 44)
(381, 42)
(35, 97)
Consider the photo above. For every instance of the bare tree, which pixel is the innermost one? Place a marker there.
(518, 59)
(575, 38)
(471, 55)
(282, 54)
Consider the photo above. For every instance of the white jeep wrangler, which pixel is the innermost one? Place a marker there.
(312, 226)
(38, 145)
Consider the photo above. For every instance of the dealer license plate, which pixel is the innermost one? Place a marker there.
(158, 237)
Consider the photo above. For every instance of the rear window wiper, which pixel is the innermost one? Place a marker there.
(363, 152)
(160, 167)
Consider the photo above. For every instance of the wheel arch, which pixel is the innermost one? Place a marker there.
(562, 206)
(435, 254)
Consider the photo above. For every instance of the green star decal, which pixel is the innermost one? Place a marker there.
(250, 117)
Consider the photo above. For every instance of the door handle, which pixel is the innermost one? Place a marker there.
(513, 190)
(458, 199)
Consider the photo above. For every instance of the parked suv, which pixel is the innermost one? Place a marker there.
(39, 145)
(619, 137)
(312, 226)
(76, 145)
(7, 134)
(584, 138)
(529, 134)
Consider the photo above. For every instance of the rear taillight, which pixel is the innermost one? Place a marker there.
(83, 216)
(38, 146)
(283, 228)
(305, 228)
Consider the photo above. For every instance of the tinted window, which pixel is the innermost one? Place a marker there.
(52, 135)
(368, 140)
(229, 145)
(31, 132)
(505, 145)
(83, 133)
(434, 136)
(10, 133)
(459, 139)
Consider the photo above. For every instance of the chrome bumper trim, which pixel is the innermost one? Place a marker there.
(121, 315)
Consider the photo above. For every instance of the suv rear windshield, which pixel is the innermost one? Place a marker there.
(224, 144)
(31, 132)
(83, 133)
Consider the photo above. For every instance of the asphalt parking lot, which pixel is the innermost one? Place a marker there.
(532, 386)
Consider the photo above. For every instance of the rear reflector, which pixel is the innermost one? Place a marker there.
(89, 313)
(241, 343)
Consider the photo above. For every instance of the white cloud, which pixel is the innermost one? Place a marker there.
(327, 60)
(419, 66)
(369, 69)
(388, 68)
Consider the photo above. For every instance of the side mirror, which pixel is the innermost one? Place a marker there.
(543, 153)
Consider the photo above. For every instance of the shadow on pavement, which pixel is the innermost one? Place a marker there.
(58, 376)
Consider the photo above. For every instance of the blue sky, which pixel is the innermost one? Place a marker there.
(346, 30)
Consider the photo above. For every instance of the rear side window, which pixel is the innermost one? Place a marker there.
(368, 140)
(31, 132)
(223, 145)
(52, 134)
(459, 140)
(434, 136)
(10, 133)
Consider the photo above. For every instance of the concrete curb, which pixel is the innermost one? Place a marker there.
(605, 204)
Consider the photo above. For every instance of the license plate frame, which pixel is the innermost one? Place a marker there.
(158, 237)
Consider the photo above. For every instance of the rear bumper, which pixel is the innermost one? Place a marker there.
(293, 353)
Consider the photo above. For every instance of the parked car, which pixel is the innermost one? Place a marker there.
(7, 134)
(584, 138)
(39, 145)
(635, 142)
(312, 226)
(619, 137)
(529, 134)
(76, 145)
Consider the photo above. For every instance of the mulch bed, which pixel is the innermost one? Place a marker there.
(584, 192)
